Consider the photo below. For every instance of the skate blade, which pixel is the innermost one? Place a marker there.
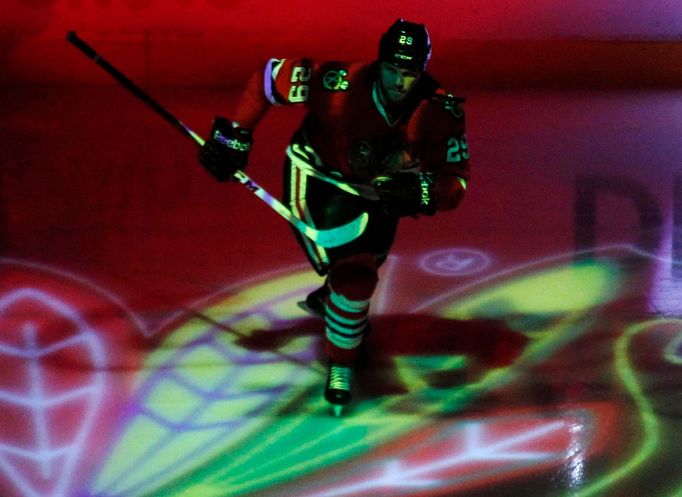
(304, 306)
(338, 410)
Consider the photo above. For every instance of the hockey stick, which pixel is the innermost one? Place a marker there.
(325, 237)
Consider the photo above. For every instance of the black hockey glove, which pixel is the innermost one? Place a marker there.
(227, 150)
(406, 194)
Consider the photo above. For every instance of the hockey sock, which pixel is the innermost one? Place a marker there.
(351, 284)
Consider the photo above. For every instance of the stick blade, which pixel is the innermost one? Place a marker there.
(339, 235)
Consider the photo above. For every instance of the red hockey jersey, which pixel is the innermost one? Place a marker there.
(355, 135)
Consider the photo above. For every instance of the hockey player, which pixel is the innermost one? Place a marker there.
(380, 137)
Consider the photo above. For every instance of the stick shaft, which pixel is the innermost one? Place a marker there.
(327, 238)
(89, 52)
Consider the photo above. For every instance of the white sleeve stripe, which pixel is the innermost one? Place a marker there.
(271, 69)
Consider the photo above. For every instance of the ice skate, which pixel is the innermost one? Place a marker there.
(338, 388)
(314, 302)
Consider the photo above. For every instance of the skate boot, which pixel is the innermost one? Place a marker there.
(314, 302)
(338, 388)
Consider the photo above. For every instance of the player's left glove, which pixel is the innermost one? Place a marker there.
(406, 194)
(227, 150)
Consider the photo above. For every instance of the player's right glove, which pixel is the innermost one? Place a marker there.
(227, 150)
(406, 194)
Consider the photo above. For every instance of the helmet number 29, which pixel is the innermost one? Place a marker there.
(298, 92)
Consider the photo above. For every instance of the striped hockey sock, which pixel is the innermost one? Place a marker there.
(345, 324)
(351, 282)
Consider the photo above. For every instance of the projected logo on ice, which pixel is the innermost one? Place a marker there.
(226, 399)
(57, 337)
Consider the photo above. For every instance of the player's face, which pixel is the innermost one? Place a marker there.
(396, 82)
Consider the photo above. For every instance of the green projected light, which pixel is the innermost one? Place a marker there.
(551, 307)
(217, 414)
(650, 425)
(201, 393)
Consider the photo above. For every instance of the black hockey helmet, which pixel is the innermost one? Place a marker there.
(406, 44)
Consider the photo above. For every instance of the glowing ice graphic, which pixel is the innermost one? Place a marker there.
(206, 393)
(462, 454)
(221, 412)
(38, 331)
(454, 262)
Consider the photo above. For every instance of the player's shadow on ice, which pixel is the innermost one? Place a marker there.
(408, 352)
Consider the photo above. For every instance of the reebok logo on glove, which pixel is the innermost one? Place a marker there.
(232, 143)
(426, 184)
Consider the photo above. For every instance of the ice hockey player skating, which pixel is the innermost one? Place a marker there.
(380, 137)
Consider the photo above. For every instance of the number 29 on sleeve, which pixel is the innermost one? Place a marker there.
(298, 92)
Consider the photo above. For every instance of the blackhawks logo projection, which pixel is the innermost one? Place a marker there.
(228, 400)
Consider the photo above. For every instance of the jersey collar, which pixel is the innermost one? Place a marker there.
(381, 108)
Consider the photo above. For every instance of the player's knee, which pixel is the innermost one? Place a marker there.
(354, 277)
